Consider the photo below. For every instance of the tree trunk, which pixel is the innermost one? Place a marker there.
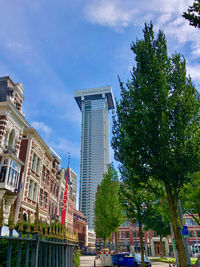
(116, 241)
(141, 244)
(173, 206)
(161, 247)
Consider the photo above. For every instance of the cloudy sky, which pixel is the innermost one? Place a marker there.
(54, 47)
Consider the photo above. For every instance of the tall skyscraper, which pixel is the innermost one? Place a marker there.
(95, 144)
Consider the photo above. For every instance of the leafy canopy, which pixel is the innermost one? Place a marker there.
(193, 14)
(156, 128)
(108, 211)
(190, 198)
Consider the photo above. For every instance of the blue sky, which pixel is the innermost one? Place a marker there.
(55, 47)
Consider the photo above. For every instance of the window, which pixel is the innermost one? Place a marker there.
(33, 162)
(43, 173)
(127, 234)
(190, 222)
(11, 139)
(198, 233)
(38, 166)
(30, 189)
(13, 174)
(61, 194)
(3, 174)
(52, 209)
(47, 177)
(34, 191)
(60, 211)
(45, 200)
(40, 197)
(125, 224)
(190, 234)
(49, 208)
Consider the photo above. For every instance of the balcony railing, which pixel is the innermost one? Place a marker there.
(10, 149)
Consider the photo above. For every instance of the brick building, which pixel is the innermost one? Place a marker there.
(29, 170)
(12, 124)
(128, 238)
(80, 225)
(39, 177)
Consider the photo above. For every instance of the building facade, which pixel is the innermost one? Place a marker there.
(39, 178)
(12, 124)
(71, 197)
(128, 239)
(80, 227)
(95, 144)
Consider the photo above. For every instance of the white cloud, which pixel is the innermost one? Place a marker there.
(109, 13)
(16, 45)
(40, 126)
(166, 15)
(120, 13)
(63, 145)
(194, 71)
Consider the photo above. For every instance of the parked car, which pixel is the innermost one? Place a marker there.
(138, 260)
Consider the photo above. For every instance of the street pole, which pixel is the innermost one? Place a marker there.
(184, 239)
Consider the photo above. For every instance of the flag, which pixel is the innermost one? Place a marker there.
(64, 206)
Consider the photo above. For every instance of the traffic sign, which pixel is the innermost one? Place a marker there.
(184, 231)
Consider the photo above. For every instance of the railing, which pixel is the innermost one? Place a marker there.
(10, 149)
(45, 246)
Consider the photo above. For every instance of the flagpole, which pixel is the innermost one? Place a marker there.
(64, 206)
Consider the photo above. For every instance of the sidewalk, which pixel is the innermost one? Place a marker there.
(88, 261)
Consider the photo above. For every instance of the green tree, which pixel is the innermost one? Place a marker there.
(136, 201)
(190, 198)
(156, 128)
(108, 212)
(193, 14)
(158, 220)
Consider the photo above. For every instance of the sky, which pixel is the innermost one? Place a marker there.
(55, 47)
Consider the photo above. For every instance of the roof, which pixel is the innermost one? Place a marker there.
(99, 91)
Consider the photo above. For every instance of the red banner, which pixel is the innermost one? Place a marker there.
(64, 207)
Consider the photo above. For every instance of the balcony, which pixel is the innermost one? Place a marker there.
(10, 149)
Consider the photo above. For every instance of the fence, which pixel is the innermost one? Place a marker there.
(47, 245)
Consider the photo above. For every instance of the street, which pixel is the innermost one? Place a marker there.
(88, 261)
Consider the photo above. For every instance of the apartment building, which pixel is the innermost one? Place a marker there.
(12, 124)
(128, 238)
(39, 177)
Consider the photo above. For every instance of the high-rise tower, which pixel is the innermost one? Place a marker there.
(95, 144)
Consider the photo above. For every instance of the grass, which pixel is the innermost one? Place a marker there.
(171, 260)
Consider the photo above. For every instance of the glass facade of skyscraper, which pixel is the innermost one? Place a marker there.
(95, 144)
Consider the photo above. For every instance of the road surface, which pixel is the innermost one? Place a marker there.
(88, 261)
